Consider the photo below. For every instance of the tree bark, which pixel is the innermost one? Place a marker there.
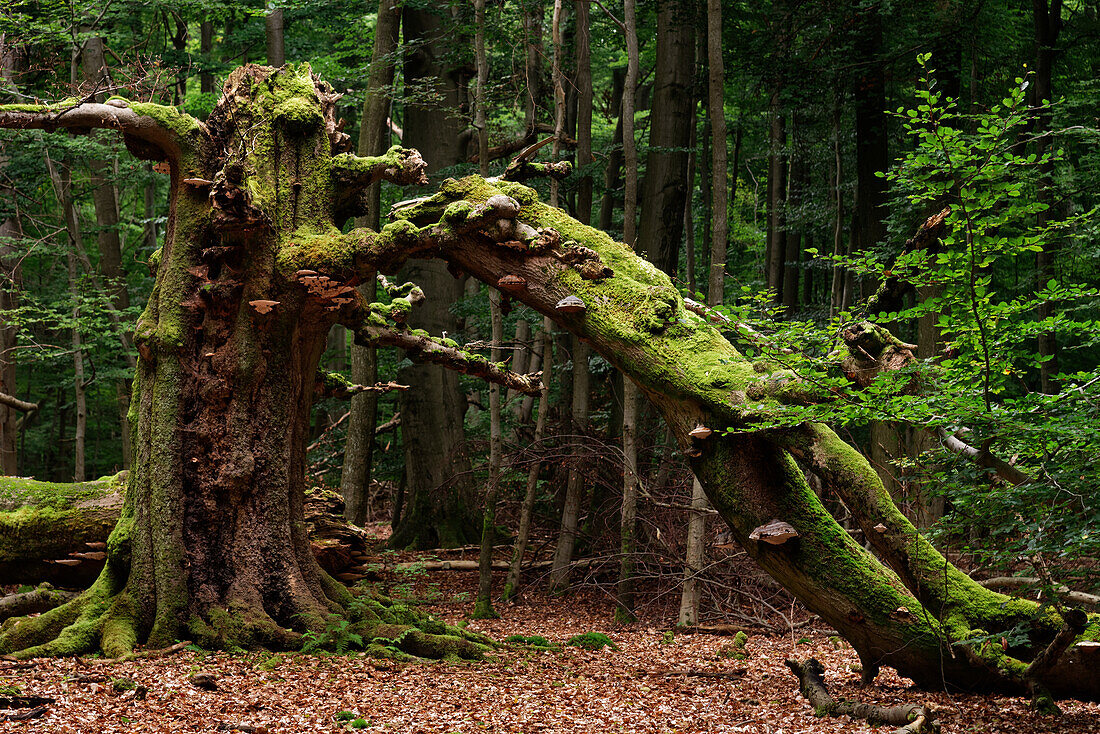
(373, 138)
(719, 160)
(1047, 21)
(105, 198)
(665, 185)
(441, 504)
(211, 544)
(273, 38)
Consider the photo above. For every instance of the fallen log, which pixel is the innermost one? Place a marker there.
(42, 599)
(910, 718)
(57, 532)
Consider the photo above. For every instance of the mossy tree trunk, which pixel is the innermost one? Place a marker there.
(917, 613)
(211, 541)
(211, 544)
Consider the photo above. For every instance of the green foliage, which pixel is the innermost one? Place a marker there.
(337, 636)
(591, 641)
(976, 288)
(344, 716)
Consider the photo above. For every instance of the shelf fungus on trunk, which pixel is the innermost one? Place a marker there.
(570, 305)
(776, 532)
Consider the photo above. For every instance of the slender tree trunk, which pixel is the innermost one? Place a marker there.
(583, 81)
(719, 160)
(628, 522)
(532, 34)
(206, 48)
(483, 608)
(628, 519)
(1047, 19)
(10, 277)
(62, 183)
(80, 396)
(373, 137)
(665, 185)
(837, 187)
(777, 192)
(273, 38)
(105, 198)
(792, 240)
(695, 557)
(511, 583)
(613, 173)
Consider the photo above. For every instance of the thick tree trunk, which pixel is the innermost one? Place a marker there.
(211, 544)
(921, 615)
(441, 506)
(665, 185)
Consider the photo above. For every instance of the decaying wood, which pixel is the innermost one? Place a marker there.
(1066, 594)
(39, 600)
(910, 718)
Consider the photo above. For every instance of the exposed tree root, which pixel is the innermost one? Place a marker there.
(910, 718)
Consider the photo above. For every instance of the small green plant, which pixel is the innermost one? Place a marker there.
(344, 716)
(591, 641)
(337, 637)
(10, 690)
(359, 724)
(668, 637)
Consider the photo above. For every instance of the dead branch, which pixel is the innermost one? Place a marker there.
(117, 114)
(158, 653)
(425, 349)
(21, 405)
(1020, 582)
(911, 718)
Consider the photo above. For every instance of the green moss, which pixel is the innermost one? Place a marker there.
(591, 641)
(171, 118)
(18, 492)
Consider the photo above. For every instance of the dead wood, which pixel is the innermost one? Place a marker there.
(911, 718)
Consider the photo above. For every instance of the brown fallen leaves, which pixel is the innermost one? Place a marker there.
(655, 683)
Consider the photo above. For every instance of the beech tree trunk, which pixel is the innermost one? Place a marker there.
(373, 136)
(210, 543)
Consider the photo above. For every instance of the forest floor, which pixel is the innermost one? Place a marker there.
(654, 682)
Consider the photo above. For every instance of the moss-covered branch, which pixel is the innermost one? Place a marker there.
(164, 130)
(910, 718)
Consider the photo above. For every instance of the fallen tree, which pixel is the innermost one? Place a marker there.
(237, 321)
(57, 532)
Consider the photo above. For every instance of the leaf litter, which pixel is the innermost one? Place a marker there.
(655, 682)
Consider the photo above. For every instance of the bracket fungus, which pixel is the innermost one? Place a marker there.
(776, 532)
(700, 432)
(570, 304)
(512, 284)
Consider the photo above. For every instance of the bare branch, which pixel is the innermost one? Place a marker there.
(421, 348)
(21, 405)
